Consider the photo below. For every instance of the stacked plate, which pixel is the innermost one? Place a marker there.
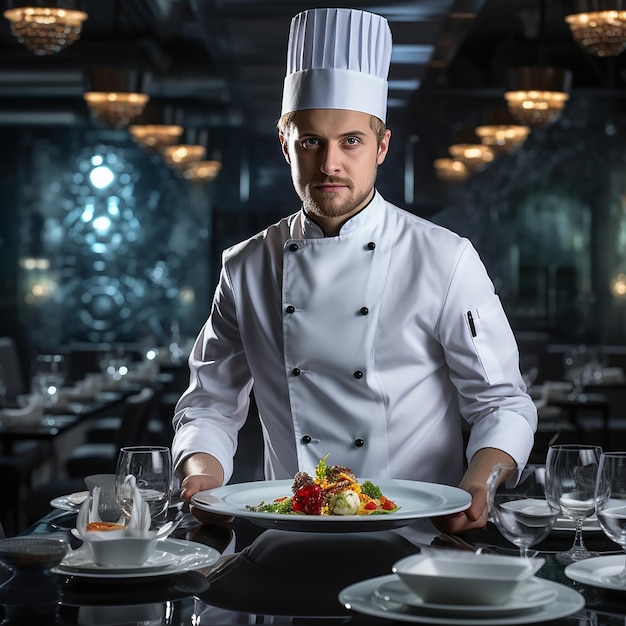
(171, 556)
(429, 593)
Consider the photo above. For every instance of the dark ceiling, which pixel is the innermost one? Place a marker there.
(221, 62)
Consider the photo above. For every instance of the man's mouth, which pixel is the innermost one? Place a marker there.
(330, 187)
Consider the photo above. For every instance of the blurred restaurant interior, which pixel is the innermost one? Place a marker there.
(111, 232)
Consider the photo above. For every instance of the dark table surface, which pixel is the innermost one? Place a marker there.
(281, 577)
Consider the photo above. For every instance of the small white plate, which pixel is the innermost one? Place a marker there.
(70, 502)
(81, 561)
(188, 555)
(595, 571)
(361, 597)
(591, 524)
(533, 594)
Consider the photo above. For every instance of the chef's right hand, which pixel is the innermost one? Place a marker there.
(194, 483)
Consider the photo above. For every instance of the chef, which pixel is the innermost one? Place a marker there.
(367, 333)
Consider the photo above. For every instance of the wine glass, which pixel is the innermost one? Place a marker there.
(571, 472)
(610, 501)
(520, 511)
(49, 372)
(152, 468)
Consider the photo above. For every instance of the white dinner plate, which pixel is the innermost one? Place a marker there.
(188, 555)
(590, 525)
(596, 570)
(415, 499)
(71, 502)
(81, 561)
(361, 597)
(531, 595)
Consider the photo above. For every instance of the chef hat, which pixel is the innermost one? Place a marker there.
(337, 59)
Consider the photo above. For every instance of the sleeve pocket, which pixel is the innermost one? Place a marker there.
(491, 335)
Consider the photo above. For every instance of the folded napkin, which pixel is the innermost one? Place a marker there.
(30, 411)
(138, 524)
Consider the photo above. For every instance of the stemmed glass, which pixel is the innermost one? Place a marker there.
(571, 472)
(520, 511)
(610, 502)
(49, 374)
(152, 468)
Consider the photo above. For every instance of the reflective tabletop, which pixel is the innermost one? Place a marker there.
(270, 576)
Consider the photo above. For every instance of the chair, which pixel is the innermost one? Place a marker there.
(11, 370)
(101, 457)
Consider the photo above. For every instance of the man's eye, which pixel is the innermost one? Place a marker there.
(352, 141)
(310, 142)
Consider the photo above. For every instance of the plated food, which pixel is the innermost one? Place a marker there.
(334, 490)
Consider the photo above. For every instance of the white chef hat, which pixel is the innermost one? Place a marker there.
(337, 59)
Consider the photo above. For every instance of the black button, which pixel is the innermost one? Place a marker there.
(371, 245)
(293, 247)
(359, 443)
(358, 374)
(296, 371)
(291, 309)
(364, 310)
(306, 439)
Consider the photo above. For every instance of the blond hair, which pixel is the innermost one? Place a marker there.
(377, 125)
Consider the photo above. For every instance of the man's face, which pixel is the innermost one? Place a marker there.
(334, 155)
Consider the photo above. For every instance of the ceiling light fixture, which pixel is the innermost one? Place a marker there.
(46, 29)
(183, 155)
(473, 155)
(202, 171)
(116, 96)
(500, 131)
(155, 136)
(503, 137)
(599, 26)
(539, 95)
(451, 169)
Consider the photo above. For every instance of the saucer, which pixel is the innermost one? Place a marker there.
(81, 560)
(531, 595)
(185, 555)
(361, 597)
(70, 502)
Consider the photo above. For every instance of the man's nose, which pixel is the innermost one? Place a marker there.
(331, 160)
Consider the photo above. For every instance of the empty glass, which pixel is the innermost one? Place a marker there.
(520, 511)
(571, 472)
(49, 373)
(152, 468)
(610, 502)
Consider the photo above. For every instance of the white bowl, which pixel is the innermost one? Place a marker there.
(119, 547)
(456, 577)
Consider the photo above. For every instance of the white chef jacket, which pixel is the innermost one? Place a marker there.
(371, 345)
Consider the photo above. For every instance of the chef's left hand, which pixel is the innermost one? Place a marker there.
(475, 483)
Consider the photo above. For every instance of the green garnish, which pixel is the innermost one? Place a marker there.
(282, 506)
(321, 469)
(371, 490)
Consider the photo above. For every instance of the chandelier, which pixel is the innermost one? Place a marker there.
(502, 137)
(473, 155)
(183, 155)
(599, 27)
(115, 96)
(451, 169)
(202, 171)
(155, 136)
(45, 30)
(539, 95)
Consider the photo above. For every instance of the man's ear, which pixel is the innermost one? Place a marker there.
(284, 147)
(383, 148)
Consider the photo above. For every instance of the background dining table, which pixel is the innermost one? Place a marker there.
(274, 576)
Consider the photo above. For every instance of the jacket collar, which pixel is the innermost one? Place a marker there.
(366, 217)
